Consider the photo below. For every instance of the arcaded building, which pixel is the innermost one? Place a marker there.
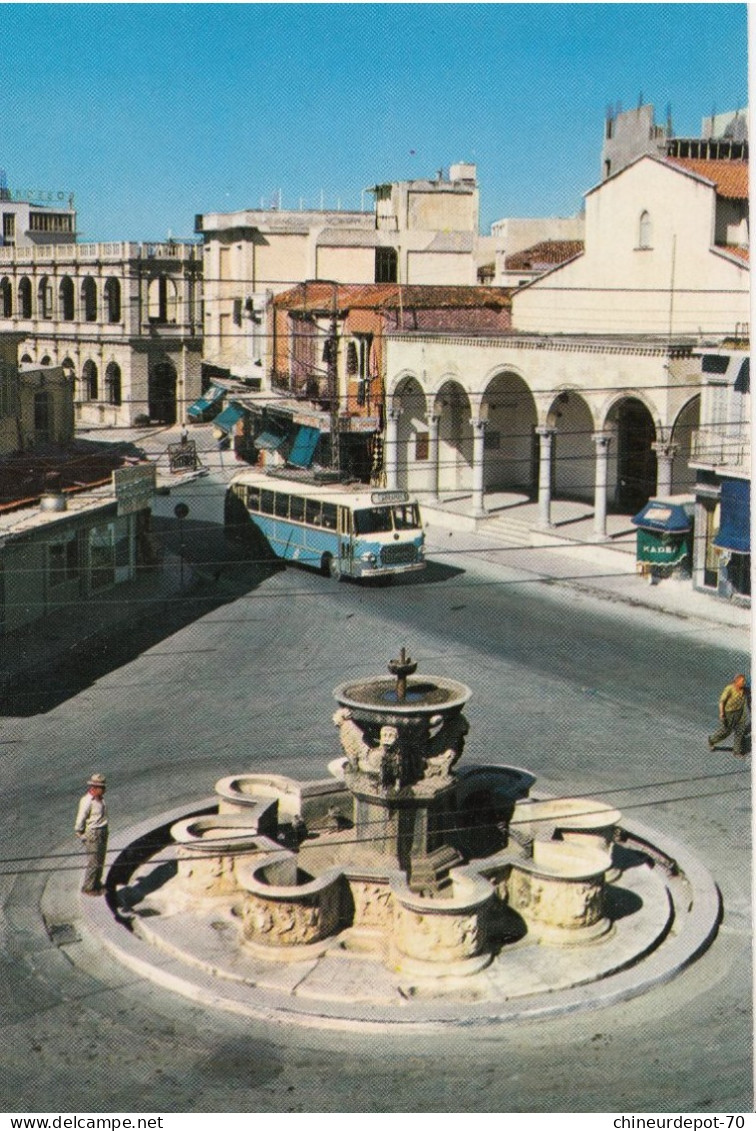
(123, 320)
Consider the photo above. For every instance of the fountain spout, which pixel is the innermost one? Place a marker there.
(401, 668)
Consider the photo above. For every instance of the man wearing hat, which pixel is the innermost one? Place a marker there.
(92, 827)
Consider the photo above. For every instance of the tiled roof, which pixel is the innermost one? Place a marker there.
(730, 177)
(318, 296)
(548, 253)
(22, 476)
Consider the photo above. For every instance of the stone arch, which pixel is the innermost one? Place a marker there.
(44, 298)
(89, 299)
(455, 438)
(68, 367)
(112, 299)
(686, 423)
(162, 392)
(510, 451)
(162, 299)
(6, 297)
(632, 463)
(66, 299)
(25, 297)
(113, 390)
(573, 454)
(412, 436)
(89, 381)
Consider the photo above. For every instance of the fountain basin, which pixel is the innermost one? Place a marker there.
(376, 700)
(209, 848)
(443, 934)
(559, 893)
(309, 800)
(287, 909)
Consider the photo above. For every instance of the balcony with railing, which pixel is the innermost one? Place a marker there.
(715, 449)
(108, 252)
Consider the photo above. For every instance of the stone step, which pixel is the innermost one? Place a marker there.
(512, 530)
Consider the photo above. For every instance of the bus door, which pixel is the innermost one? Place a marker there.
(346, 544)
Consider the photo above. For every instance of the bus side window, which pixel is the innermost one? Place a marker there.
(329, 516)
(296, 508)
(282, 505)
(312, 512)
(253, 498)
(266, 501)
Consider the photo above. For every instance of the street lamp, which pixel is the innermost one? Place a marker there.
(181, 510)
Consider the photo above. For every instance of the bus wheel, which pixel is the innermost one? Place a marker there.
(329, 567)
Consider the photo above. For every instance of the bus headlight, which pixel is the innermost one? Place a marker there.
(369, 559)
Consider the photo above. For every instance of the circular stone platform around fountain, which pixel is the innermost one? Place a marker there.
(402, 892)
(195, 952)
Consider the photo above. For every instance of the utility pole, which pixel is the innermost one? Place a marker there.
(333, 379)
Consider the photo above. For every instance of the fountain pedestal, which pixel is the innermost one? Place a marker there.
(401, 740)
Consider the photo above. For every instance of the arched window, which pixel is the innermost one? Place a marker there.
(113, 299)
(645, 230)
(89, 381)
(113, 383)
(68, 367)
(46, 360)
(66, 297)
(44, 298)
(6, 297)
(26, 360)
(25, 297)
(89, 299)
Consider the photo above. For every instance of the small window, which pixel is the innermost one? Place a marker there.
(422, 445)
(282, 505)
(296, 508)
(253, 498)
(645, 233)
(266, 501)
(329, 516)
(313, 516)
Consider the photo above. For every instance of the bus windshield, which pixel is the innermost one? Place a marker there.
(381, 520)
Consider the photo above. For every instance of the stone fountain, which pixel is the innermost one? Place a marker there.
(403, 861)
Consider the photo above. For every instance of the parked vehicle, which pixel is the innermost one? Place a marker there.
(331, 527)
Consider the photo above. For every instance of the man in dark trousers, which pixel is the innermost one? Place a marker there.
(732, 715)
(92, 827)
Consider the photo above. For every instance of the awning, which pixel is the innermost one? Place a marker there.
(667, 517)
(268, 441)
(206, 401)
(229, 417)
(734, 532)
(303, 449)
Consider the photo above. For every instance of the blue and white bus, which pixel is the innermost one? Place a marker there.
(331, 527)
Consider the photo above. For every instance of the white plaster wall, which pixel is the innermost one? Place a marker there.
(678, 285)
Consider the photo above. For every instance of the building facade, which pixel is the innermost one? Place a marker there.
(721, 457)
(666, 253)
(420, 231)
(123, 320)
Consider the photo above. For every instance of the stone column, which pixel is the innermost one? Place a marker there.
(665, 455)
(546, 436)
(391, 452)
(433, 453)
(479, 429)
(602, 441)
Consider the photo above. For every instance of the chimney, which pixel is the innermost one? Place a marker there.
(53, 498)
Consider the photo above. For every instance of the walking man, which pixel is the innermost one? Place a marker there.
(92, 827)
(732, 715)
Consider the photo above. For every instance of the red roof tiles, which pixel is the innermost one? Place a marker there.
(542, 255)
(318, 296)
(730, 177)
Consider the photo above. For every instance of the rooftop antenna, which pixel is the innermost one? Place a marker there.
(640, 100)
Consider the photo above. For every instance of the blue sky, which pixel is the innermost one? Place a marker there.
(150, 113)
